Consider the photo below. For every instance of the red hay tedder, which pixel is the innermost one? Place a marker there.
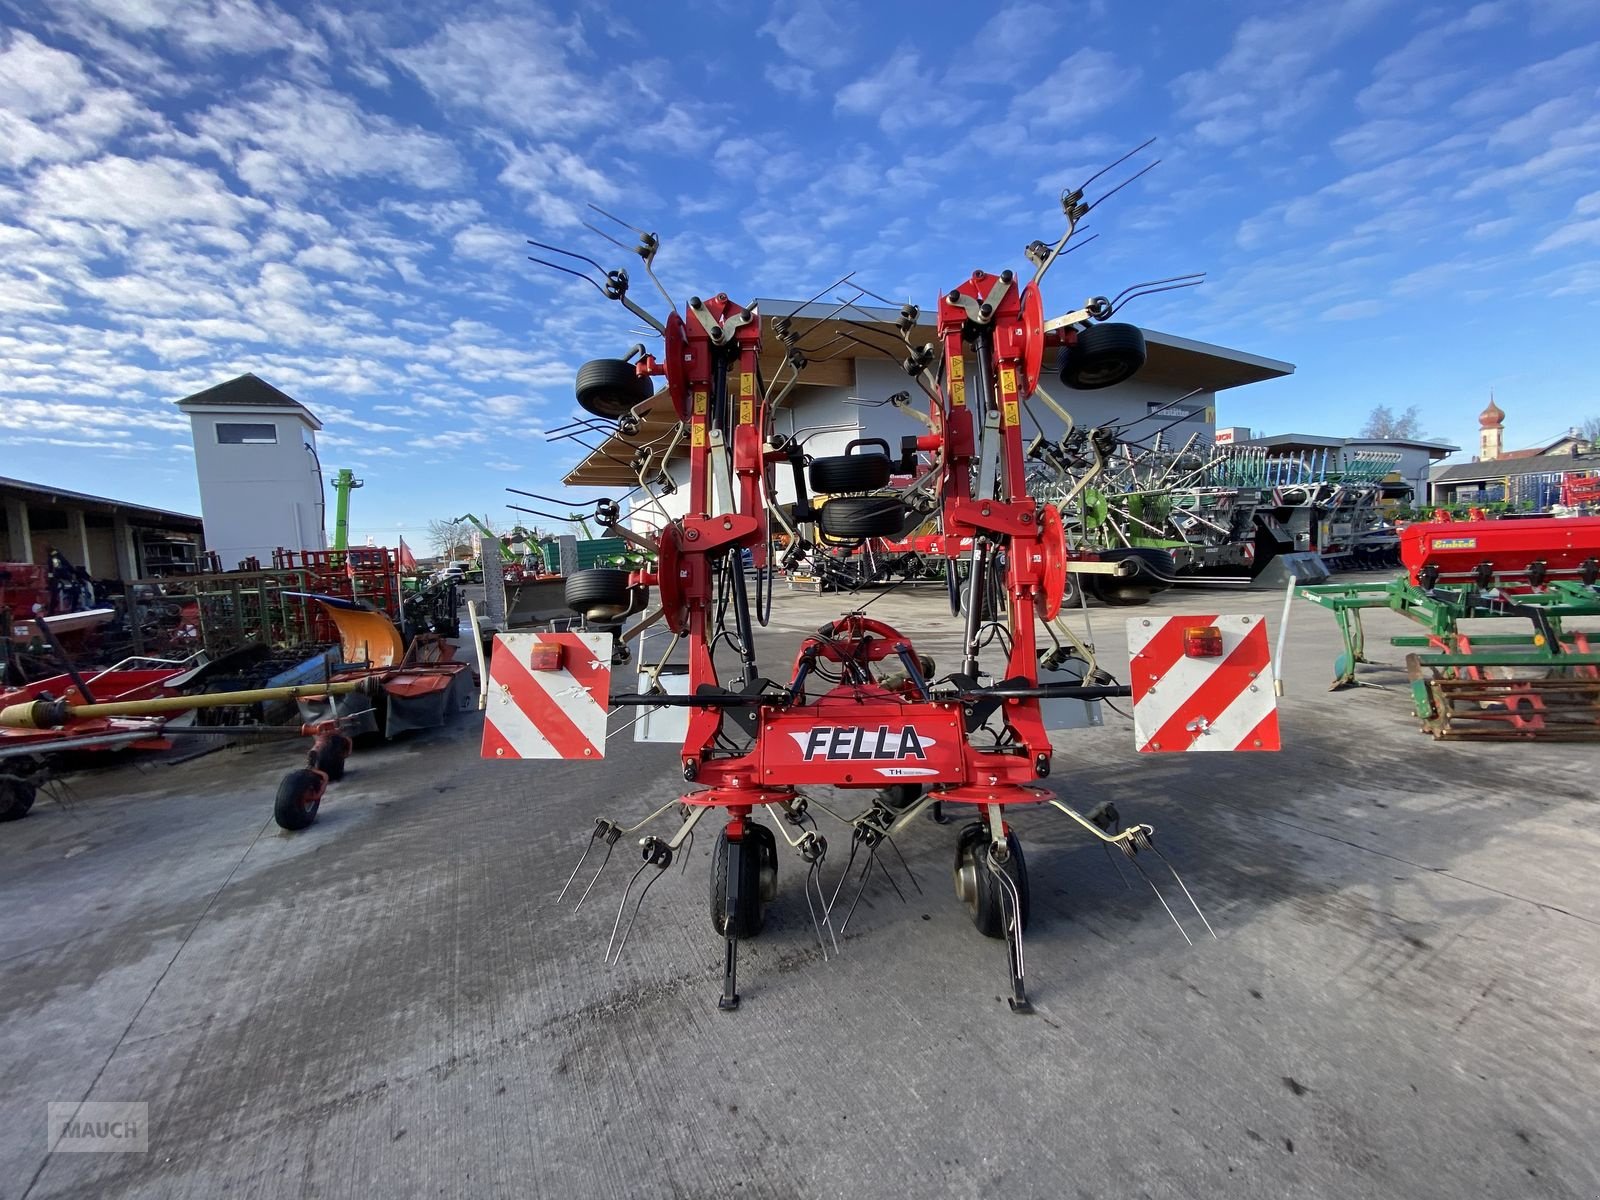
(861, 708)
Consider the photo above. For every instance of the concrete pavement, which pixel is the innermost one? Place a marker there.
(1402, 1000)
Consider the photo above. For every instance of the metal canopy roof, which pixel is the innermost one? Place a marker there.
(834, 336)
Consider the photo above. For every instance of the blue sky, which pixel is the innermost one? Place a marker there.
(1403, 201)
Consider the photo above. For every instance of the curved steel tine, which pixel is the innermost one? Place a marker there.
(904, 864)
(568, 254)
(1154, 283)
(855, 843)
(1123, 184)
(609, 848)
(1112, 859)
(827, 916)
(593, 838)
(865, 871)
(811, 908)
(688, 849)
(568, 271)
(1113, 165)
(623, 223)
(1198, 911)
(889, 875)
(1009, 897)
(608, 237)
(631, 881)
(637, 905)
(1161, 898)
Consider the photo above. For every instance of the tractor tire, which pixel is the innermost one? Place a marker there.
(900, 796)
(976, 885)
(837, 473)
(1103, 356)
(856, 518)
(330, 758)
(16, 798)
(610, 387)
(600, 593)
(299, 798)
(752, 912)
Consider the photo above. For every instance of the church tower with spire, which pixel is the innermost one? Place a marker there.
(1491, 431)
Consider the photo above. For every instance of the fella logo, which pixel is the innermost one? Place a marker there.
(853, 742)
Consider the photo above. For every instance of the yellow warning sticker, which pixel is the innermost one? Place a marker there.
(697, 435)
(747, 384)
(1009, 413)
(958, 392)
(747, 411)
(958, 367)
(701, 403)
(1008, 380)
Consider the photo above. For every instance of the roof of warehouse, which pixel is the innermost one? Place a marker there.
(44, 493)
(1538, 464)
(834, 335)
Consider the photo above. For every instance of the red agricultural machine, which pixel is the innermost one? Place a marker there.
(860, 708)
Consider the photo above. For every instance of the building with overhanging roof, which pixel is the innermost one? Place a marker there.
(849, 375)
(111, 539)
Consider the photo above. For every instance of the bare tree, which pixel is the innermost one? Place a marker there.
(1589, 431)
(447, 538)
(1382, 423)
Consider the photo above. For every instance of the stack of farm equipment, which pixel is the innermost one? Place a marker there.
(1542, 683)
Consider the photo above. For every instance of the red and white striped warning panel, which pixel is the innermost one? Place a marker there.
(548, 695)
(1202, 683)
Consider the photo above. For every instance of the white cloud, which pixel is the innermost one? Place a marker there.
(295, 131)
(1354, 310)
(145, 194)
(1268, 78)
(554, 179)
(208, 27)
(791, 78)
(1087, 81)
(50, 109)
(514, 69)
(812, 32)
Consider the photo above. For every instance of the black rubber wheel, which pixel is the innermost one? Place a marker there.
(854, 518)
(838, 473)
(900, 795)
(976, 885)
(329, 759)
(1119, 592)
(299, 798)
(1103, 356)
(16, 798)
(609, 387)
(752, 912)
(600, 593)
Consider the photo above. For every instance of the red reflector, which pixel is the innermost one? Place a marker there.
(1202, 641)
(546, 656)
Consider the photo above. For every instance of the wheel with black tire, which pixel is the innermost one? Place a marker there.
(976, 885)
(16, 798)
(329, 757)
(855, 518)
(836, 473)
(610, 387)
(758, 878)
(1103, 356)
(299, 798)
(900, 795)
(599, 593)
(1119, 592)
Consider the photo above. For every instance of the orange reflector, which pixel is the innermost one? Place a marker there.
(544, 656)
(1202, 641)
